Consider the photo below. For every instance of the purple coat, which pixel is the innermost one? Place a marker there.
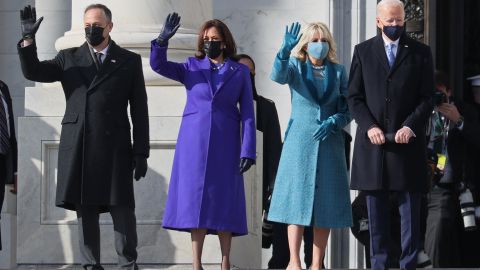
(206, 189)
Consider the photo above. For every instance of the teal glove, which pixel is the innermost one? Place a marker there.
(326, 128)
(290, 40)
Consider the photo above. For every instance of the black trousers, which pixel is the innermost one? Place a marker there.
(444, 228)
(124, 225)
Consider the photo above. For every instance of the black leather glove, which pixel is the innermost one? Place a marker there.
(140, 166)
(245, 164)
(29, 22)
(170, 27)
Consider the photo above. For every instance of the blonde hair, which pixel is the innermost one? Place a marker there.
(390, 3)
(307, 35)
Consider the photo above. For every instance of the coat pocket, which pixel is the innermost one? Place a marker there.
(68, 135)
(187, 113)
(70, 118)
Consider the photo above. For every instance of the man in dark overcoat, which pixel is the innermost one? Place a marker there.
(390, 90)
(8, 143)
(96, 157)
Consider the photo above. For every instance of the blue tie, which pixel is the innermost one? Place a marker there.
(390, 54)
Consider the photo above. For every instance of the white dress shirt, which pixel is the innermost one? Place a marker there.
(103, 52)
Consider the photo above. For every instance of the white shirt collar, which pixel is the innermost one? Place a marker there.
(104, 51)
(387, 41)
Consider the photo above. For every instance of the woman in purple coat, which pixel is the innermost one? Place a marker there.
(206, 193)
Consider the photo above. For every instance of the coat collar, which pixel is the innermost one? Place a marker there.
(93, 77)
(205, 66)
(403, 50)
(115, 58)
(319, 95)
(83, 60)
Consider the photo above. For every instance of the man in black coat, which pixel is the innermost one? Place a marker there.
(390, 89)
(453, 128)
(96, 157)
(8, 143)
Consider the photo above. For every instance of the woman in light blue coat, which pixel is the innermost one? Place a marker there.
(311, 187)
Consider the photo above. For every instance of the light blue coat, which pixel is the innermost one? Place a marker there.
(311, 187)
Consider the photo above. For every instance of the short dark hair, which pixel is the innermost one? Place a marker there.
(441, 78)
(240, 56)
(230, 46)
(105, 9)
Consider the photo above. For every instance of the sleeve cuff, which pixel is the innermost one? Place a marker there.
(411, 131)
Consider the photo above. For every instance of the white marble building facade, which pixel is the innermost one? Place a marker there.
(41, 233)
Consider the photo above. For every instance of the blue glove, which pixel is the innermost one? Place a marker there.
(290, 40)
(170, 27)
(326, 128)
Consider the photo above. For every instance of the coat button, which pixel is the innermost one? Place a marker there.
(387, 121)
(388, 99)
(107, 133)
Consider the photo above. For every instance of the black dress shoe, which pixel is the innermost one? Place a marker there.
(93, 267)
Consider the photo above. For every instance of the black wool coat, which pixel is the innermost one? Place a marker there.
(10, 160)
(390, 98)
(269, 125)
(95, 153)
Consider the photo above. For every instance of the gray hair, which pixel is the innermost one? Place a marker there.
(390, 3)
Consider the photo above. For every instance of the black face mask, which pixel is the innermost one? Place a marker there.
(94, 35)
(212, 49)
(393, 32)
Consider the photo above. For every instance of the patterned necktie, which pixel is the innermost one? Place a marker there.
(390, 54)
(99, 58)
(4, 138)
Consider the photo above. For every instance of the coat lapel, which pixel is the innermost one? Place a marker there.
(310, 81)
(204, 66)
(230, 68)
(115, 58)
(84, 61)
(379, 49)
(403, 50)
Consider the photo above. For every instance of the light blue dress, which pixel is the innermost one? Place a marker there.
(311, 187)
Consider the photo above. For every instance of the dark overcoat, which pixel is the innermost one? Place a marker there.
(10, 165)
(269, 125)
(390, 98)
(9, 161)
(95, 153)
